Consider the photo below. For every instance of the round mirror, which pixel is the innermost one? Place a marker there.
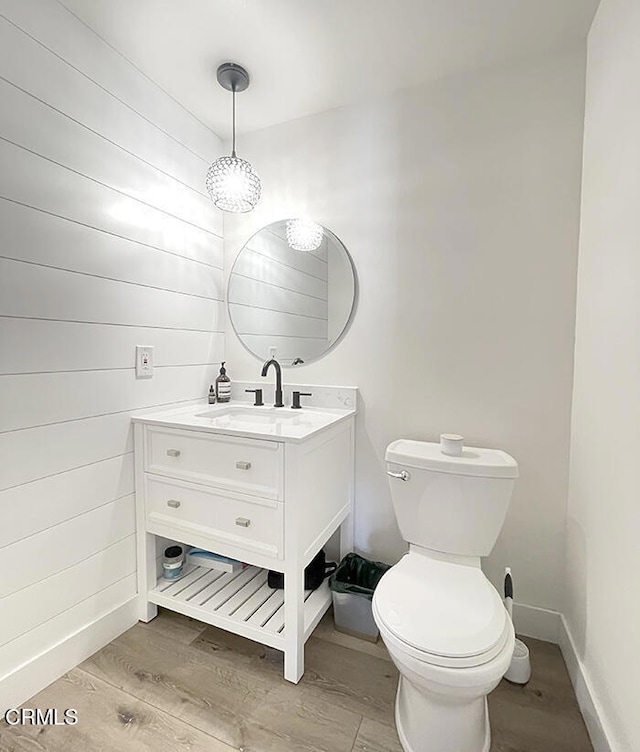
(292, 288)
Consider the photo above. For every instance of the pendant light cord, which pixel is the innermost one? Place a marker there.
(233, 142)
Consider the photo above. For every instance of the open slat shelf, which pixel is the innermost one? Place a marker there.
(241, 602)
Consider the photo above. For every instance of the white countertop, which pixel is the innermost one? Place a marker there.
(242, 419)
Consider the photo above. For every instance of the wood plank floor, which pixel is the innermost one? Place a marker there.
(176, 684)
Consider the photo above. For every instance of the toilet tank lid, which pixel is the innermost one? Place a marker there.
(475, 461)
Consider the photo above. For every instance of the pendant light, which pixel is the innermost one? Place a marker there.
(232, 182)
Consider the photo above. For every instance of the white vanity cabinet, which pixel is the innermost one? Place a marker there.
(272, 502)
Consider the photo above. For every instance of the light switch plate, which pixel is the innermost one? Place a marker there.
(144, 361)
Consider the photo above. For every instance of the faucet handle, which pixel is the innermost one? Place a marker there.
(258, 400)
(296, 399)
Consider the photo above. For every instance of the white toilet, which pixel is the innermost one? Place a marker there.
(444, 624)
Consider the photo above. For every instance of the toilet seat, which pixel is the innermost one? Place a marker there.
(440, 612)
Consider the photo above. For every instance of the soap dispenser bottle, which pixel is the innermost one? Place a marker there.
(223, 385)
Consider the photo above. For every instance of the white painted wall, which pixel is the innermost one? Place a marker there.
(459, 203)
(602, 609)
(106, 241)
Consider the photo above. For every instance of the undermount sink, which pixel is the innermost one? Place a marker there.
(242, 419)
(273, 421)
(279, 423)
(269, 416)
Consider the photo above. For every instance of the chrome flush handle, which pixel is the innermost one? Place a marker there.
(402, 475)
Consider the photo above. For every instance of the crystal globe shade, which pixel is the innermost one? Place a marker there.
(233, 184)
(304, 235)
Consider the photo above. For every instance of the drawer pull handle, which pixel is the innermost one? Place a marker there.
(243, 521)
(173, 452)
(243, 465)
(173, 503)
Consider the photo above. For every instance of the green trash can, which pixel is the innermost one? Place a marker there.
(352, 586)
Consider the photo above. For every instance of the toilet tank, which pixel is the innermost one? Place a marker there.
(456, 505)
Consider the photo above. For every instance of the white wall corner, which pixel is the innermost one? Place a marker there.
(583, 687)
(32, 677)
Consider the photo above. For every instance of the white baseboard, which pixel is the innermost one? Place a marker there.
(539, 623)
(30, 678)
(551, 626)
(589, 706)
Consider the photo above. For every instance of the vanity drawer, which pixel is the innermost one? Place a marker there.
(249, 466)
(247, 523)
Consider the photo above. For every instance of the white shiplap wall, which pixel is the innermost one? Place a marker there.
(107, 240)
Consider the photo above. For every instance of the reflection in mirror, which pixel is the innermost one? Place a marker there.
(298, 302)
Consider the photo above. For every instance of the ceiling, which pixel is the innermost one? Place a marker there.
(306, 56)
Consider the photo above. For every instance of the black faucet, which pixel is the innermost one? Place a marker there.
(295, 405)
(265, 368)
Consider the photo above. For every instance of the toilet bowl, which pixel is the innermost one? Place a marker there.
(443, 622)
(451, 639)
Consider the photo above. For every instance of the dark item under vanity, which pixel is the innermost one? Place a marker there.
(315, 573)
